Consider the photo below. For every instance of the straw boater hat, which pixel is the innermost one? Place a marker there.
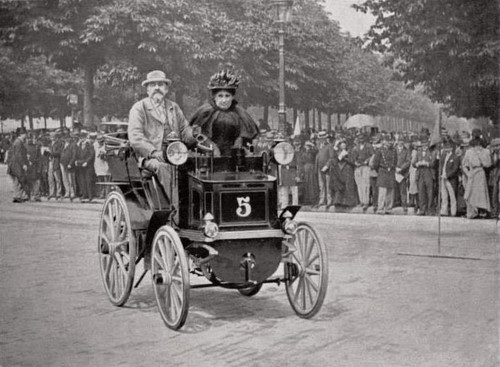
(322, 134)
(156, 76)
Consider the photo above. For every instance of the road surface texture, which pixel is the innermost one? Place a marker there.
(382, 308)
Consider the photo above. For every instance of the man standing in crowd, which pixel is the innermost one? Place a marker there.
(373, 173)
(385, 163)
(54, 171)
(325, 153)
(425, 161)
(308, 175)
(289, 179)
(17, 166)
(68, 156)
(34, 168)
(84, 163)
(450, 168)
(361, 155)
(402, 171)
(151, 120)
(101, 167)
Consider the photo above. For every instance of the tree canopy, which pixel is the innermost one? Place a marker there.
(109, 45)
(451, 47)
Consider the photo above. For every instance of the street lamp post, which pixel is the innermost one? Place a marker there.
(281, 13)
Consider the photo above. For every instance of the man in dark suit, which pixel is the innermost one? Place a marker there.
(384, 163)
(402, 171)
(84, 163)
(450, 170)
(68, 157)
(425, 161)
(54, 172)
(17, 166)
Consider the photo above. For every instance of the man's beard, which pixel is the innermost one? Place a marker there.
(157, 96)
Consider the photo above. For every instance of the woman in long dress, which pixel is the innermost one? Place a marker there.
(476, 195)
(342, 178)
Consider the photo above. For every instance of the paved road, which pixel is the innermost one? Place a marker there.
(382, 308)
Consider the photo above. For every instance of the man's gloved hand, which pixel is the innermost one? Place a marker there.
(158, 155)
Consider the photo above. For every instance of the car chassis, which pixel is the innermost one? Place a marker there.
(218, 219)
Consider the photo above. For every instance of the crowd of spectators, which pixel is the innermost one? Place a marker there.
(60, 164)
(377, 172)
(452, 176)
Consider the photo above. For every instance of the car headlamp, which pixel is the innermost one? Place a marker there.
(289, 226)
(283, 153)
(176, 153)
(210, 229)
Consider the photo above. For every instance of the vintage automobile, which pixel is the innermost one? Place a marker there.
(219, 219)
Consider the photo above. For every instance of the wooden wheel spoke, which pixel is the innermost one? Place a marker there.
(176, 298)
(163, 251)
(310, 248)
(120, 264)
(311, 288)
(310, 272)
(312, 283)
(311, 261)
(107, 220)
(159, 260)
(298, 290)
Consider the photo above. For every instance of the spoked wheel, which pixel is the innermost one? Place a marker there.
(251, 291)
(117, 249)
(170, 274)
(306, 273)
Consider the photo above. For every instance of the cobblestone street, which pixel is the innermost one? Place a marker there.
(383, 307)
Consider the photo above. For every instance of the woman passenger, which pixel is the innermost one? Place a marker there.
(221, 120)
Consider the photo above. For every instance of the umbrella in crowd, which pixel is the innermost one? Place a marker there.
(359, 121)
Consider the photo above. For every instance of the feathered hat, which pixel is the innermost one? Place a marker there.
(224, 79)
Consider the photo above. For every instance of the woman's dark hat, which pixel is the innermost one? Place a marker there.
(156, 76)
(223, 80)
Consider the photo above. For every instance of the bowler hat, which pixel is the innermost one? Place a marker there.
(156, 76)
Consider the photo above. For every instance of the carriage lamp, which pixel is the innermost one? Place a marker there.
(210, 228)
(283, 153)
(176, 153)
(289, 226)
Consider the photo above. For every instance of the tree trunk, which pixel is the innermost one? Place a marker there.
(88, 92)
(329, 121)
(338, 119)
(30, 119)
(45, 122)
(306, 121)
(320, 125)
(313, 110)
(266, 115)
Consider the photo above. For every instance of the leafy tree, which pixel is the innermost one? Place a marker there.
(451, 47)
